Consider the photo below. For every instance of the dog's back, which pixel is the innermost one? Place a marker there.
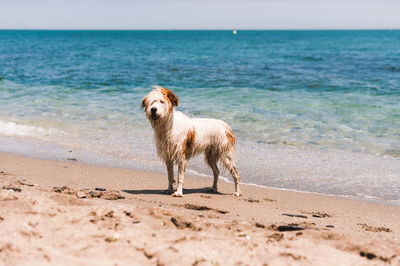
(213, 134)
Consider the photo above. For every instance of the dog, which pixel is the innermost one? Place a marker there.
(179, 138)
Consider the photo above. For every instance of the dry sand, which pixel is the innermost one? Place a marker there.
(133, 223)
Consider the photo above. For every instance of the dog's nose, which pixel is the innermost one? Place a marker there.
(153, 110)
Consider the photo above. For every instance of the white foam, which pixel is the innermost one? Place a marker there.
(10, 128)
(225, 179)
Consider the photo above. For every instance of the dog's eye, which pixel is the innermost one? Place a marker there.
(162, 101)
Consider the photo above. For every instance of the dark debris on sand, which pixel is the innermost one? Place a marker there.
(295, 215)
(375, 229)
(203, 208)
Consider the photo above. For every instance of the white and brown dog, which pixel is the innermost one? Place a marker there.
(179, 137)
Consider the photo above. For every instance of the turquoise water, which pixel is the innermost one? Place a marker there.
(314, 111)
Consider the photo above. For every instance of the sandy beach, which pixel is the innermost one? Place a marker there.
(67, 213)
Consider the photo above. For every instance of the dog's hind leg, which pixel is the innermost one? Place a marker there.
(212, 162)
(214, 167)
(181, 177)
(229, 164)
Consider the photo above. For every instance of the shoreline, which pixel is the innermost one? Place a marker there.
(61, 153)
(246, 229)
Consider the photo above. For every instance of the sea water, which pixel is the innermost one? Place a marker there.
(315, 111)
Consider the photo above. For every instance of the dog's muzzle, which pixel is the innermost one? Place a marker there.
(154, 115)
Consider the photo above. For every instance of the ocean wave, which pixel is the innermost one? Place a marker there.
(393, 68)
(311, 58)
(11, 128)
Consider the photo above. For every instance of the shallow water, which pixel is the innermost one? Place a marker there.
(313, 111)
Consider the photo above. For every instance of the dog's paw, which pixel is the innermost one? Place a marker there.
(237, 194)
(168, 191)
(177, 194)
(212, 190)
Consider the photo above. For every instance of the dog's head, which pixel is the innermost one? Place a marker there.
(159, 103)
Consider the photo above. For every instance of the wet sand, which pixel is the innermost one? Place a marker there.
(52, 213)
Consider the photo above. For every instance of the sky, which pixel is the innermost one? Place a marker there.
(199, 14)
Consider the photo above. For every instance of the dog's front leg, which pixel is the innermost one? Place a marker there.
(181, 177)
(171, 178)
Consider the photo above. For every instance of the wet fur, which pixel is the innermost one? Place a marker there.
(179, 138)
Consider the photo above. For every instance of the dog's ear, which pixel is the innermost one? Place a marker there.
(169, 94)
(144, 102)
(172, 97)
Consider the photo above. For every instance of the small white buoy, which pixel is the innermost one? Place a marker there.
(234, 32)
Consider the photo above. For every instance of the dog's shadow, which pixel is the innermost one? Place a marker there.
(205, 190)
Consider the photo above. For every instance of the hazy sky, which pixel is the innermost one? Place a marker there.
(199, 14)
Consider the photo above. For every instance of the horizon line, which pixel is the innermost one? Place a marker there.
(181, 29)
